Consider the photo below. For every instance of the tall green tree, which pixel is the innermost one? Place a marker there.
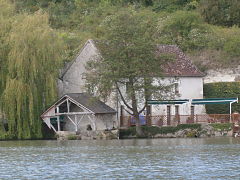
(128, 62)
(33, 60)
(6, 19)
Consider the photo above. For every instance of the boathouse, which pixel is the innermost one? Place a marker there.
(79, 112)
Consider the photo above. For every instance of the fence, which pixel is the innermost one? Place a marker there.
(164, 120)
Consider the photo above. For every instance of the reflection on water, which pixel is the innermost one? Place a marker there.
(206, 158)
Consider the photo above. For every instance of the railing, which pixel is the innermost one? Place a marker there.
(164, 120)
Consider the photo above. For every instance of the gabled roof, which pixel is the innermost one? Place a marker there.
(96, 106)
(68, 65)
(182, 66)
(86, 101)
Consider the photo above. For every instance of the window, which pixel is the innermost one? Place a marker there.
(84, 76)
(89, 127)
(168, 115)
(192, 111)
(176, 110)
(176, 88)
(177, 117)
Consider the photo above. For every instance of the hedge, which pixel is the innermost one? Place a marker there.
(149, 131)
(221, 126)
(222, 90)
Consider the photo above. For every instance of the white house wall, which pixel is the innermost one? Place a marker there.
(74, 81)
(189, 88)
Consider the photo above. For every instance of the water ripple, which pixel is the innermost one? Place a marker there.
(213, 158)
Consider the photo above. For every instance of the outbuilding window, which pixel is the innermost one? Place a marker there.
(89, 127)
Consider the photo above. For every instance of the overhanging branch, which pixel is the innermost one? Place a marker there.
(128, 112)
(122, 98)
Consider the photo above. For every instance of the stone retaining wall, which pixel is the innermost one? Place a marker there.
(88, 135)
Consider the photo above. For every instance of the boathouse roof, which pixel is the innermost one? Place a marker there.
(93, 104)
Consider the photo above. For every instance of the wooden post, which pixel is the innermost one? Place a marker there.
(58, 123)
(230, 112)
(76, 126)
(94, 121)
(168, 115)
(148, 115)
(68, 108)
(121, 116)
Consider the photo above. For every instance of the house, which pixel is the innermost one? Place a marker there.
(79, 112)
(186, 78)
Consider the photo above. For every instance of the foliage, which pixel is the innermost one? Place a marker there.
(221, 49)
(221, 12)
(174, 5)
(221, 126)
(232, 42)
(189, 126)
(222, 90)
(128, 58)
(6, 19)
(30, 69)
(171, 129)
(186, 29)
(83, 19)
(192, 134)
(131, 131)
(72, 137)
(150, 131)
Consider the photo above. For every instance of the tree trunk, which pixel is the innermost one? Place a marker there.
(135, 109)
(2, 128)
(139, 131)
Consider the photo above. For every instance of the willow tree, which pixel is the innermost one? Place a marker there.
(32, 64)
(6, 18)
(129, 63)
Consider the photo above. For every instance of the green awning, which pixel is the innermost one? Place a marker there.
(182, 101)
(214, 101)
(194, 101)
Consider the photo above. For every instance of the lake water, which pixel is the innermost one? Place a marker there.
(200, 158)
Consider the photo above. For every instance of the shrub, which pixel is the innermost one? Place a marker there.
(191, 134)
(131, 131)
(189, 126)
(72, 137)
(150, 131)
(221, 126)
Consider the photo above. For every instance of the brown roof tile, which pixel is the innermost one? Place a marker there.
(182, 66)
